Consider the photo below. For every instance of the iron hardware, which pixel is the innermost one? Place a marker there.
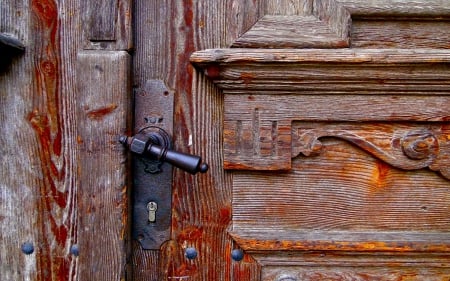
(150, 145)
(152, 172)
(9, 48)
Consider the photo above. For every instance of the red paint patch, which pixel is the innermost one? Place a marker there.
(225, 215)
(100, 113)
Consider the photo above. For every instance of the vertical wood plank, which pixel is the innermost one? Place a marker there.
(19, 177)
(103, 115)
(166, 33)
(39, 187)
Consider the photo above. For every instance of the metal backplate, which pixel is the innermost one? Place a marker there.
(152, 179)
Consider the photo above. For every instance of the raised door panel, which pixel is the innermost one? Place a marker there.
(339, 144)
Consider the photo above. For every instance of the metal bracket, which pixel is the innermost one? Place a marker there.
(152, 179)
(9, 48)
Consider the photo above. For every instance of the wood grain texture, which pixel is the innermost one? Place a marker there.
(402, 34)
(339, 71)
(39, 186)
(167, 32)
(342, 189)
(107, 25)
(291, 32)
(202, 204)
(19, 178)
(104, 96)
(397, 8)
(287, 7)
(365, 273)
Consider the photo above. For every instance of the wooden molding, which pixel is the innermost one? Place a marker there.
(337, 71)
(266, 90)
(275, 31)
(328, 24)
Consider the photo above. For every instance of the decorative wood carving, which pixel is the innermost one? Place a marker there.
(405, 146)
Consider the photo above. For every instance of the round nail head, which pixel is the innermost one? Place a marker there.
(27, 248)
(74, 250)
(237, 254)
(191, 253)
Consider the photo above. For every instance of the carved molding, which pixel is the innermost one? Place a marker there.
(407, 147)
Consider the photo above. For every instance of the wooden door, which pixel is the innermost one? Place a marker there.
(326, 131)
(324, 122)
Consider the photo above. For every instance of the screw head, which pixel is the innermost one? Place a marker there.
(237, 254)
(27, 248)
(190, 253)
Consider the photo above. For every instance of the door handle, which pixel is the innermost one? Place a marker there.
(157, 146)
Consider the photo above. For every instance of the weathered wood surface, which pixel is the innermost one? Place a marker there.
(166, 33)
(318, 71)
(291, 32)
(19, 176)
(339, 197)
(42, 200)
(38, 180)
(398, 8)
(343, 188)
(406, 33)
(107, 25)
(366, 271)
(103, 194)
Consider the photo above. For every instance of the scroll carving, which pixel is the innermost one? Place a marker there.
(408, 147)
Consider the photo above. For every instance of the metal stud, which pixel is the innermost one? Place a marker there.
(74, 250)
(190, 253)
(27, 248)
(237, 254)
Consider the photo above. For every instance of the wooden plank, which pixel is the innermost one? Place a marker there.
(343, 188)
(355, 108)
(102, 20)
(287, 7)
(407, 8)
(103, 114)
(40, 184)
(19, 184)
(167, 32)
(364, 272)
(291, 32)
(107, 24)
(400, 34)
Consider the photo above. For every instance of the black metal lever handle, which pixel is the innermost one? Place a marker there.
(145, 145)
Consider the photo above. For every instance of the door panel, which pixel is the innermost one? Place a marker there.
(339, 157)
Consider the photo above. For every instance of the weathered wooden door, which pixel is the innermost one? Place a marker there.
(326, 128)
(324, 123)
